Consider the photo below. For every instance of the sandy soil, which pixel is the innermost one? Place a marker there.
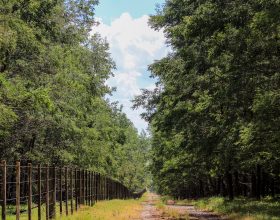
(150, 211)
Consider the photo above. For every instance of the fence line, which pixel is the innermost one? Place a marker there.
(28, 187)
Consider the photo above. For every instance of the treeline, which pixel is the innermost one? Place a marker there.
(214, 114)
(52, 92)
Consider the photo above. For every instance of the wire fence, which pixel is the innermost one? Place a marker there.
(52, 190)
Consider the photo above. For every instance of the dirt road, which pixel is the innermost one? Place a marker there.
(150, 212)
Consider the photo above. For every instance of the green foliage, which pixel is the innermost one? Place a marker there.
(52, 92)
(241, 208)
(215, 111)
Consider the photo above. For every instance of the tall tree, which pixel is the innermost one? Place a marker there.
(207, 112)
(52, 91)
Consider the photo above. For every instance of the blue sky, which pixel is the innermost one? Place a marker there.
(133, 46)
(109, 10)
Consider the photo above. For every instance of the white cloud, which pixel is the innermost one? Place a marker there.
(126, 83)
(133, 46)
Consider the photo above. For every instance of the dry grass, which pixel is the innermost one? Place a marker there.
(170, 212)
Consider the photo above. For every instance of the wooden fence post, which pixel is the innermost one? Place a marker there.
(91, 188)
(104, 188)
(88, 191)
(98, 187)
(76, 189)
(115, 189)
(4, 189)
(95, 187)
(107, 188)
(81, 188)
(29, 191)
(52, 196)
(54, 190)
(39, 192)
(66, 190)
(86, 187)
(118, 190)
(17, 190)
(117, 195)
(88, 198)
(60, 191)
(101, 186)
(47, 192)
(71, 190)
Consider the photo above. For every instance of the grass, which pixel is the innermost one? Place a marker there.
(108, 210)
(102, 210)
(240, 208)
(169, 212)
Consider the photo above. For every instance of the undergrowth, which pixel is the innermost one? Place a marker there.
(239, 208)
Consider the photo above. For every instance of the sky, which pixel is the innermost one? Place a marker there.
(133, 46)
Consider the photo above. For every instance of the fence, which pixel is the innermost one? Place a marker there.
(25, 188)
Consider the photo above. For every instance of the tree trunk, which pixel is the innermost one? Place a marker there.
(236, 183)
(218, 192)
(259, 182)
(244, 187)
(224, 193)
(264, 183)
(201, 188)
(272, 187)
(230, 185)
(253, 185)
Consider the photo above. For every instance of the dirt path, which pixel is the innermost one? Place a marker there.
(150, 211)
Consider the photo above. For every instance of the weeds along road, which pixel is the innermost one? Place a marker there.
(154, 210)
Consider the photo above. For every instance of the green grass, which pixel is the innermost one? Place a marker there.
(240, 208)
(11, 210)
(108, 210)
(103, 210)
(115, 209)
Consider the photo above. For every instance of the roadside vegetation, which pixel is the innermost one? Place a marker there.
(239, 208)
(242, 208)
(108, 210)
(103, 210)
(170, 212)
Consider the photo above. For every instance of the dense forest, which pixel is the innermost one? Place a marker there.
(53, 96)
(215, 112)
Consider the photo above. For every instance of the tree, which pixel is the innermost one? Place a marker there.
(206, 110)
(52, 91)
